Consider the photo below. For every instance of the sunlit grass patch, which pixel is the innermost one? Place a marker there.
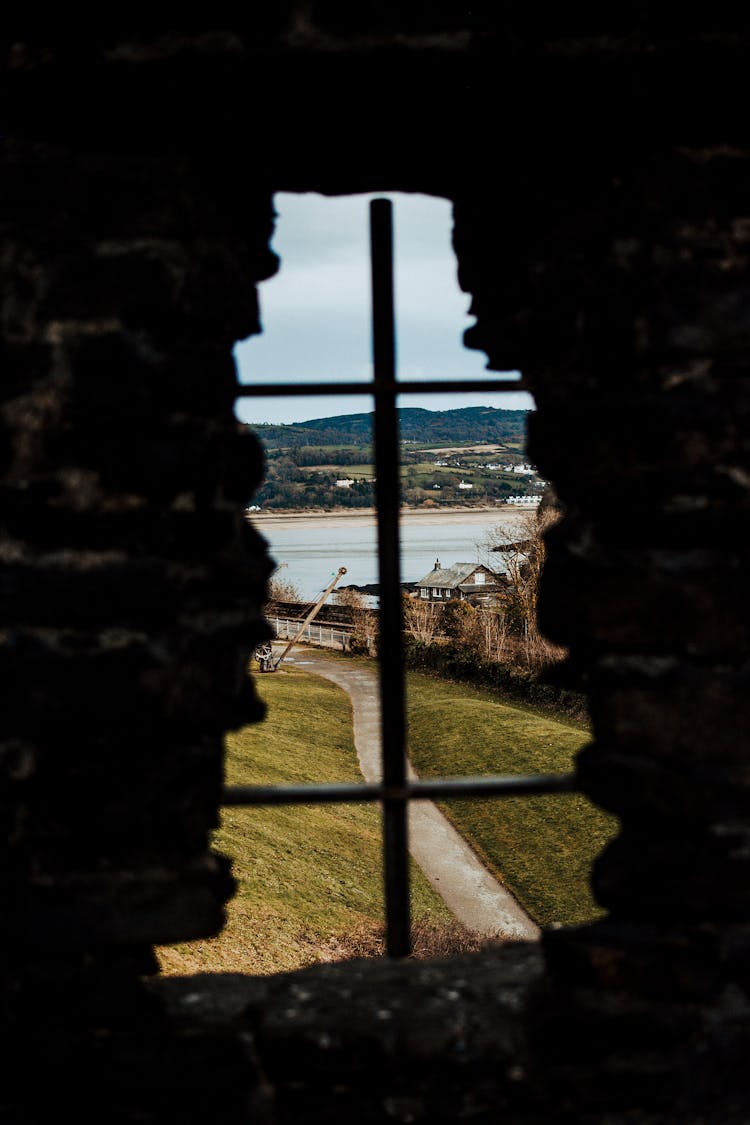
(540, 847)
(308, 876)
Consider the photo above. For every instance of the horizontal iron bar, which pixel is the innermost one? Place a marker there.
(432, 386)
(442, 788)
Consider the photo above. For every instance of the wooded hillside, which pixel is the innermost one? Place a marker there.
(465, 456)
(469, 423)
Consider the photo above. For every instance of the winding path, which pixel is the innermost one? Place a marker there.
(475, 897)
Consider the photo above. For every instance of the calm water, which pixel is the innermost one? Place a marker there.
(314, 551)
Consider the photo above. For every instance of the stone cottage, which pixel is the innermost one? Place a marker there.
(462, 581)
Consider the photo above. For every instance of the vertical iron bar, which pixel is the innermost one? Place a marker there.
(388, 498)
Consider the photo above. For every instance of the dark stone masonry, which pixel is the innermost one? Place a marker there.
(599, 164)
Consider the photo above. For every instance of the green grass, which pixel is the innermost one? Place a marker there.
(540, 847)
(342, 471)
(308, 877)
(357, 471)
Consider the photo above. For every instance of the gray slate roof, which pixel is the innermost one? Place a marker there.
(451, 576)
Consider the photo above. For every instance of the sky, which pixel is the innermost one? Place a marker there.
(316, 311)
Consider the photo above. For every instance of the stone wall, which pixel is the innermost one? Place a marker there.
(608, 262)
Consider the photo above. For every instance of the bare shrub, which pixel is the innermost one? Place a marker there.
(364, 620)
(421, 618)
(457, 615)
(521, 547)
(493, 632)
(429, 939)
(282, 591)
(447, 939)
(482, 629)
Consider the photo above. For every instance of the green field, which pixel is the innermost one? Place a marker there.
(540, 847)
(308, 877)
(334, 448)
(355, 471)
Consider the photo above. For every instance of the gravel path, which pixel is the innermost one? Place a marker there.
(475, 897)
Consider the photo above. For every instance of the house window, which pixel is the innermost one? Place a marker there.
(424, 592)
(479, 578)
(395, 790)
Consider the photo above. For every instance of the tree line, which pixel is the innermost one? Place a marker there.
(469, 423)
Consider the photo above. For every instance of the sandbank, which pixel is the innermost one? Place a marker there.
(427, 517)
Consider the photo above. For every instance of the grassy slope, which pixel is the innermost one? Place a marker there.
(306, 876)
(541, 847)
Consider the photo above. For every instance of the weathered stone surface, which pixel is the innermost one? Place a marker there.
(131, 587)
(377, 1041)
(610, 265)
(676, 711)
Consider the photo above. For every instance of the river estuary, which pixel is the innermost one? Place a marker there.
(310, 548)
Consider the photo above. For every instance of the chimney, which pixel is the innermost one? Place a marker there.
(437, 565)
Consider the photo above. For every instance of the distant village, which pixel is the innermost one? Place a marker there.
(462, 480)
(466, 458)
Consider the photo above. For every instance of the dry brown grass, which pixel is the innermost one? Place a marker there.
(430, 939)
(236, 951)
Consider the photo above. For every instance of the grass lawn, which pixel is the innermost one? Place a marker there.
(308, 877)
(357, 472)
(540, 847)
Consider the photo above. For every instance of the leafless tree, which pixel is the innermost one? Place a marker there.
(364, 620)
(421, 618)
(521, 548)
(282, 591)
(494, 632)
(483, 629)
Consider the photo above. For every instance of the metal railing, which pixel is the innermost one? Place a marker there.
(327, 636)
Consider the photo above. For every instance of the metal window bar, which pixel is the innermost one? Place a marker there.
(396, 790)
(391, 657)
(433, 789)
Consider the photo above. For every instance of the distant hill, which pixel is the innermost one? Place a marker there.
(469, 423)
(327, 463)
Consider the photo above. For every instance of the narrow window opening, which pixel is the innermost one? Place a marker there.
(322, 453)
